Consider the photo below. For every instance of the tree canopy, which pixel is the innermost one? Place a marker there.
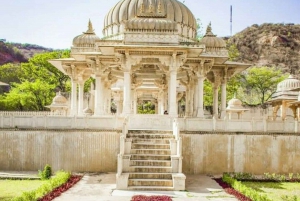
(34, 83)
(259, 84)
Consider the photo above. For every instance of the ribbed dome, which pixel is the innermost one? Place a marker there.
(87, 39)
(154, 15)
(235, 103)
(211, 41)
(288, 84)
(59, 100)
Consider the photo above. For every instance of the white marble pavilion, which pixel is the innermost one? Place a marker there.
(149, 52)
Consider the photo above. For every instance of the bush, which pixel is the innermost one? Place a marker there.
(249, 192)
(56, 181)
(46, 173)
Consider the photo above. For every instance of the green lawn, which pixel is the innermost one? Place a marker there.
(277, 191)
(12, 188)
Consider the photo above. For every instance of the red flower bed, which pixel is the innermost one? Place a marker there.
(228, 189)
(151, 198)
(59, 190)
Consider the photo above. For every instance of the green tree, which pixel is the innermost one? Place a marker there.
(38, 67)
(29, 96)
(233, 52)
(146, 108)
(260, 82)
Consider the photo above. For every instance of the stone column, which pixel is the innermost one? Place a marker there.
(215, 100)
(200, 110)
(80, 98)
(127, 93)
(160, 101)
(191, 100)
(99, 108)
(108, 100)
(187, 102)
(173, 93)
(74, 98)
(223, 98)
(135, 105)
(196, 96)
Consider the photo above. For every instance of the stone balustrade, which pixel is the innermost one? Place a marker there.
(40, 120)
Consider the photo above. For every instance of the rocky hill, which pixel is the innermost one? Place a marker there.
(17, 52)
(270, 45)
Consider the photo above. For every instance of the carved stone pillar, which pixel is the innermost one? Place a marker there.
(223, 98)
(127, 93)
(191, 100)
(173, 93)
(99, 106)
(200, 110)
(80, 98)
(135, 102)
(160, 101)
(74, 98)
(196, 96)
(215, 100)
(187, 102)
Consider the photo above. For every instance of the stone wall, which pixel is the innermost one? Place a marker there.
(69, 150)
(96, 151)
(251, 152)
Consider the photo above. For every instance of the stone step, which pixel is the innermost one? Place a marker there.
(150, 169)
(151, 188)
(163, 163)
(149, 146)
(149, 157)
(150, 132)
(151, 136)
(151, 151)
(150, 182)
(150, 176)
(151, 141)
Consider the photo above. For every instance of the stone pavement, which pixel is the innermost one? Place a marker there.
(101, 187)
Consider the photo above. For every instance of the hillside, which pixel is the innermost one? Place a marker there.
(270, 45)
(17, 52)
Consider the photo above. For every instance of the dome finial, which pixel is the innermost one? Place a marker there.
(90, 28)
(208, 29)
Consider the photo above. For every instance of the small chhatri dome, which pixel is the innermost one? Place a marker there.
(288, 84)
(87, 39)
(59, 100)
(211, 41)
(235, 103)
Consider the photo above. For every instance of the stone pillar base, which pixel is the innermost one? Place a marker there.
(179, 181)
(122, 181)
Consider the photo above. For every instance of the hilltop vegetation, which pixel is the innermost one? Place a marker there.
(17, 52)
(269, 44)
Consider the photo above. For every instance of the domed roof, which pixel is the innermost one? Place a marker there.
(154, 15)
(288, 84)
(234, 103)
(87, 39)
(88, 111)
(211, 41)
(59, 100)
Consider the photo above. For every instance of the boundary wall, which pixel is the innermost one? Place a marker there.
(97, 150)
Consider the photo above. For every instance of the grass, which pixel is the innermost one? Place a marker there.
(12, 188)
(277, 191)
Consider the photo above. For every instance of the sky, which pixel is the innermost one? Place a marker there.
(55, 23)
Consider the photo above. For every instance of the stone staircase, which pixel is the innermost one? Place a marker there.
(150, 160)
